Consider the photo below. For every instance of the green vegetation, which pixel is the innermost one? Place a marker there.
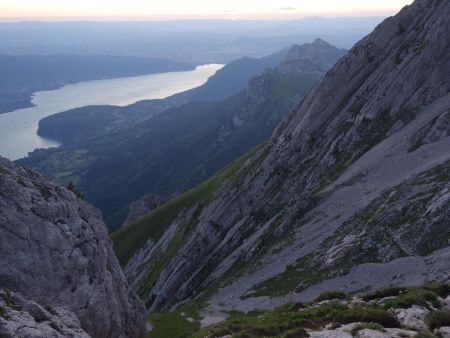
(405, 296)
(176, 324)
(158, 266)
(296, 319)
(129, 239)
(414, 296)
(389, 291)
(284, 321)
(331, 295)
(441, 289)
(424, 335)
(363, 326)
(72, 188)
(309, 270)
(437, 319)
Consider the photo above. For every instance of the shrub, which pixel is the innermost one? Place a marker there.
(368, 315)
(371, 326)
(296, 333)
(437, 319)
(424, 335)
(389, 291)
(72, 188)
(418, 296)
(441, 289)
(331, 295)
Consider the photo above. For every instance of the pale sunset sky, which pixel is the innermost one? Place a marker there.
(190, 9)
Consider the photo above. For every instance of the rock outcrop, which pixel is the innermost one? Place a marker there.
(55, 251)
(145, 204)
(21, 318)
(352, 190)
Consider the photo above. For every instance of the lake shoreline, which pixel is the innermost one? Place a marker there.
(18, 129)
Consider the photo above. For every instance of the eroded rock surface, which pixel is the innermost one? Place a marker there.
(55, 251)
(21, 318)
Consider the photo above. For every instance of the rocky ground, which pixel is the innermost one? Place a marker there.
(393, 312)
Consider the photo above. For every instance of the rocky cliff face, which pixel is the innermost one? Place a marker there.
(55, 251)
(351, 192)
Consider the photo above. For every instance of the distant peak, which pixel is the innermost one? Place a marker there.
(320, 42)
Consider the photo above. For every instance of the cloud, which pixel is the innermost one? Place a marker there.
(230, 10)
(287, 9)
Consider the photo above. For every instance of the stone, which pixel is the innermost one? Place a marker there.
(329, 334)
(55, 251)
(146, 204)
(22, 318)
(444, 331)
(368, 333)
(412, 317)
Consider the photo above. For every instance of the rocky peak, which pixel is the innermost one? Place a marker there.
(55, 251)
(319, 52)
(405, 54)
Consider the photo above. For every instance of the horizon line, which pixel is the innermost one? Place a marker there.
(152, 19)
(163, 18)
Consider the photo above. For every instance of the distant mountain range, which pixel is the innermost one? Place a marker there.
(194, 41)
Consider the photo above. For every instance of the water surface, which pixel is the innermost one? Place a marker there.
(18, 128)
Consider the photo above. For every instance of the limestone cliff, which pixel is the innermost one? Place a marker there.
(55, 252)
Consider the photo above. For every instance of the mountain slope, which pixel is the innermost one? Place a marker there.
(55, 252)
(231, 79)
(346, 189)
(182, 146)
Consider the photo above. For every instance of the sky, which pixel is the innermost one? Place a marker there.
(190, 9)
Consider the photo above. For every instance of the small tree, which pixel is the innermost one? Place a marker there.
(72, 188)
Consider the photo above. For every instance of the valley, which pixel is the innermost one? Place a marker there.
(298, 193)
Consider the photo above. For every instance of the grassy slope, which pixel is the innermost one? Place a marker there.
(129, 239)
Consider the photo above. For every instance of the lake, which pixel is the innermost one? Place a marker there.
(18, 128)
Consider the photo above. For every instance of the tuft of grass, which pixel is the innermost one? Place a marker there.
(174, 324)
(441, 289)
(424, 335)
(415, 296)
(371, 326)
(389, 291)
(331, 295)
(367, 315)
(437, 319)
(295, 333)
(3, 312)
(129, 239)
(55, 327)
